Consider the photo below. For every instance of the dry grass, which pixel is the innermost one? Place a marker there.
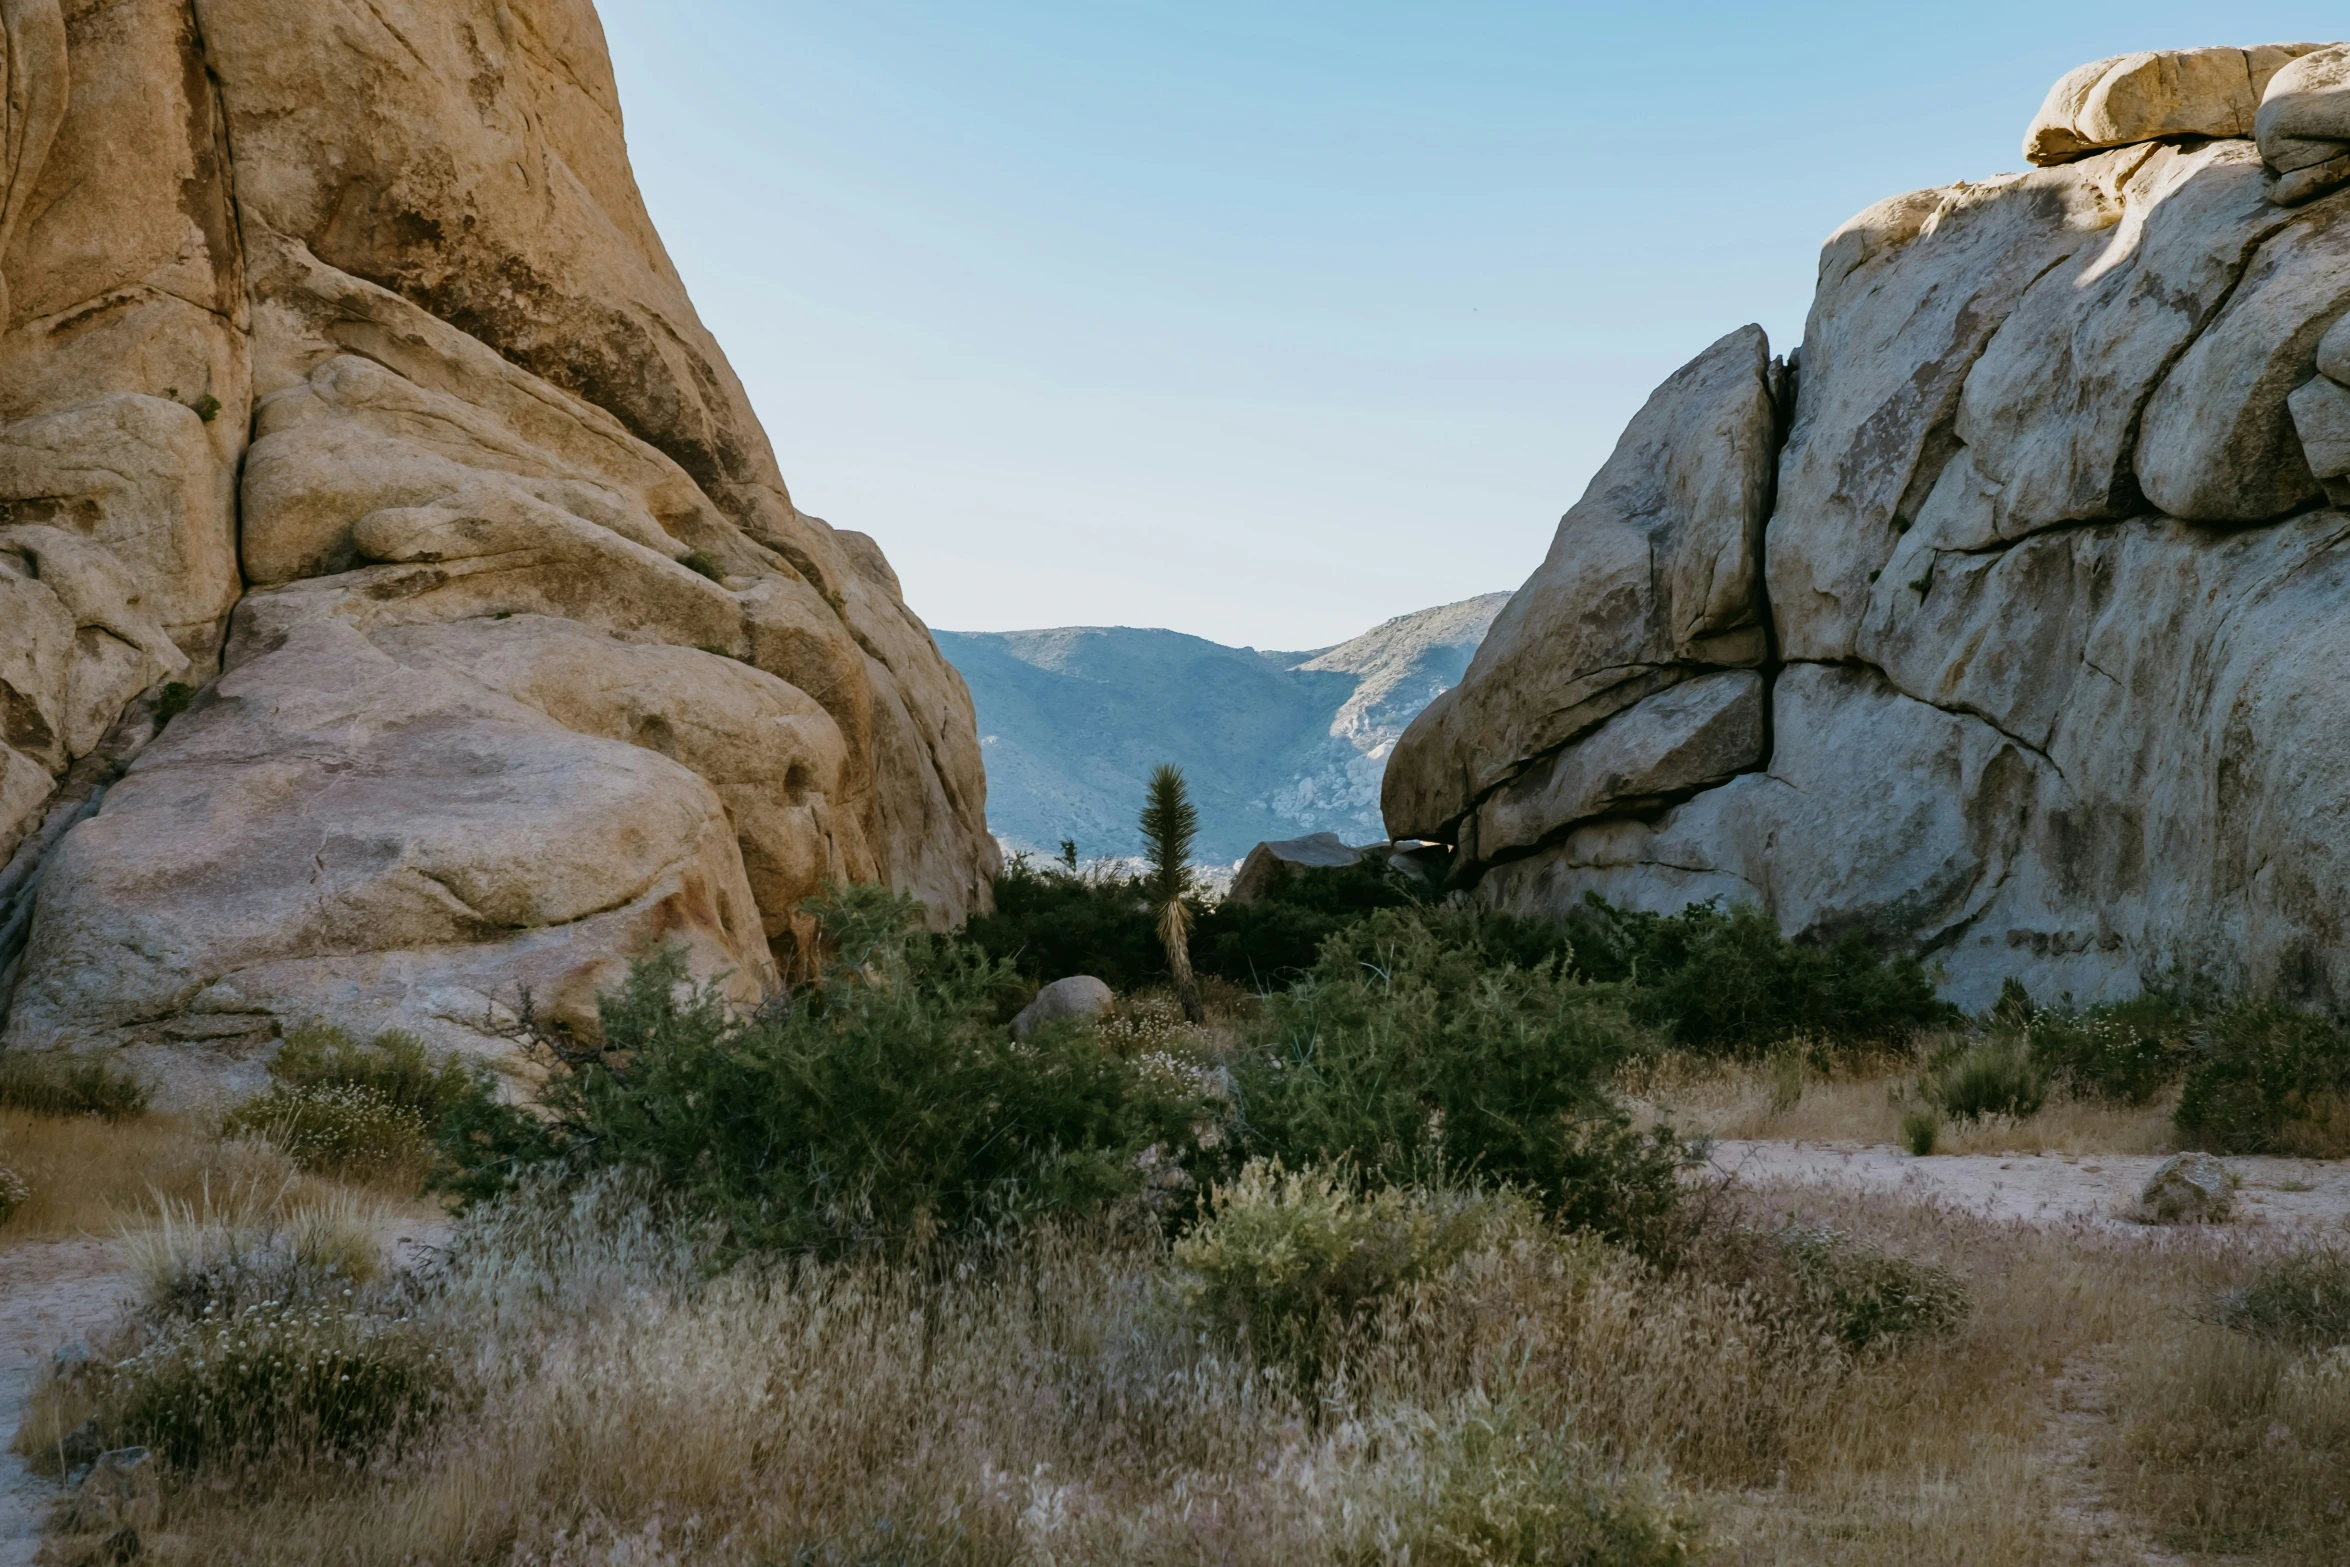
(90, 1177)
(1789, 1098)
(2228, 1443)
(87, 1174)
(1061, 1406)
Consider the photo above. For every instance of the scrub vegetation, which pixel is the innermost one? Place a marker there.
(1405, 1254)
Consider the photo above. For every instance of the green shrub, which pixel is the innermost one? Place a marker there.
(2301, 1299)
(1288, 1259)
(1052, 921)
(1920, 1130)
(1732, 983)
(362, 1111)
(1277, 937)
(2263, 1079)
(276, 1380)
(702, 565)
(1995, 1076)
(2127, 1052)
(171, 701)
(64, 1084)
(1405, 1051)
(874, 1110)
(1865, 1296)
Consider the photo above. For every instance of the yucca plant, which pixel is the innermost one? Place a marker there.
(1169, 824)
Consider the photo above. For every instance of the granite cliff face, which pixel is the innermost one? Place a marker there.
(2010, 617)
(345, 381)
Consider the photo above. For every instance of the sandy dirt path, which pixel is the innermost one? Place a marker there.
(51, 1292)
(2295, 1196)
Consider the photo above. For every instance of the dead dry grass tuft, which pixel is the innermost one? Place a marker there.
(1542, 1399)
(1060, 1405)
(2228, 1441)
(89, 1177)
(87, 1174)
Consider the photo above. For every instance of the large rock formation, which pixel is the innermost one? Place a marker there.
(345, 382)
(2045, 607)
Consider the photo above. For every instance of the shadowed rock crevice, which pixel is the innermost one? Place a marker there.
(1654, 578)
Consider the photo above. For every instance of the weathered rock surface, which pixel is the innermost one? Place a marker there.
(2154, 93)
(2188, 1188)
(1687, 737)
(1078, 996)
(345, 381)
(2304, 125)
(1265, 866)
(2058, 688)
(1652, 579)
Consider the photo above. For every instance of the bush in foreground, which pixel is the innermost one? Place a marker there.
(1407, 1053)
(876, 1110)
(1865, 1295)
(2125, 1053)
(267, 1336)
(1290, 1259)
(1495, 1483)
(1995, 1076)
(273, 1381)
(369, 1111)
(2301, 1299)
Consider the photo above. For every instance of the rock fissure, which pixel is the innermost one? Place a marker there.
(1955, 709)
(2108, 456)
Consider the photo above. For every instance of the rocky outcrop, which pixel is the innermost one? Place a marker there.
(346, 385)
(2155, 93)
(2053, 582)
(1266, 867)
(1078, 997)
(1654, 578)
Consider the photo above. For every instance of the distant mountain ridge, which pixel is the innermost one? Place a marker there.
(1274, 744)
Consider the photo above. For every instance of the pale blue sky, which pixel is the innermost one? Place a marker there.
(1268, 320)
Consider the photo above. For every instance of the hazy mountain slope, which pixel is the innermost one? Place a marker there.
(1274, 744)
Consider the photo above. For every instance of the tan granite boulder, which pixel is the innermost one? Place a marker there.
(2304, 126)
(1911, 295)
(532, 662)
(2153, 94)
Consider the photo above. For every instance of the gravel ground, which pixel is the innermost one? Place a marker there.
(2299, 1196)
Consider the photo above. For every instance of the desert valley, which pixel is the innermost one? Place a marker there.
(548, 1017)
